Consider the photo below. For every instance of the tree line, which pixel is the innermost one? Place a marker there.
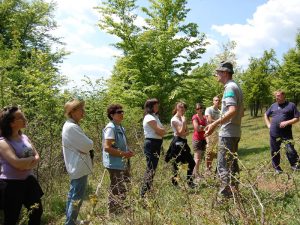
(160, 59)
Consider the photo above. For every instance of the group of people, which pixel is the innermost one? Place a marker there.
(213, 129)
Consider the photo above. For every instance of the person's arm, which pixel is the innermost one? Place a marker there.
(157, 129)
(232, 111)
(267, 120)
(209, 119)
(78, 139)
(288, 122)
(19, 163)
(108, 147)
(180, 130)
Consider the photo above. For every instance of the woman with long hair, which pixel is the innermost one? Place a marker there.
(179, 149)
(154, 132)
(198, 140)
(18, 157)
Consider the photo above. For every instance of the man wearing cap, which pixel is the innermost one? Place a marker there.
(76, 146)
(283, 114)
(232, 112)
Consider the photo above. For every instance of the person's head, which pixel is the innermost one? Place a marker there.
(279, 96)
(115, 113)
(224, 72)
(216, 101)
(11, 119)
(151, 106)
(180, 108)
(74, 109)
(199, 108)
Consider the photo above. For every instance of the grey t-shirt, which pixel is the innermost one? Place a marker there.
(214, 113)
(232, 96)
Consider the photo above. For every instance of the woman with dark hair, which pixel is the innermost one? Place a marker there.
(179, 149)
(198, 140)
(154, 132)
(18, 157)
(116, 155)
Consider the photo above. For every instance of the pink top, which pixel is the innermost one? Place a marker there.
(197, 136)
(22, 149)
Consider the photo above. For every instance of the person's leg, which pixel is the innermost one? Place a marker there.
(32, 200)
(227, 163)
(291, 153)
(191, 164)
(75, 198)
(211, 146)
(275, 152)
(13, 201)
(152, 153)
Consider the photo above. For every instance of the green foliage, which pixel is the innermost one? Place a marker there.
(157, 57)
(256, 81)
(289, 73)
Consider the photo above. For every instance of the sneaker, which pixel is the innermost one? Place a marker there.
(192, 185)
(278, 171)
(82, 222)
(295, 168)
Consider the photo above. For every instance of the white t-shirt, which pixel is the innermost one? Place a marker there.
(179, 123)
(148, 131)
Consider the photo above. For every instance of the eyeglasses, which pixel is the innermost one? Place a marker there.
(119, 112)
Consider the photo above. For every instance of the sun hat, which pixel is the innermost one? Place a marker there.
(72, 105)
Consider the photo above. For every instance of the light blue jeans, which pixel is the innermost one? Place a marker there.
(75, 198)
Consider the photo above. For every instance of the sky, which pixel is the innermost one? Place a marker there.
(255, 25)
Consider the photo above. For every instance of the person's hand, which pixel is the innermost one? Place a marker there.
(209, 129)
(283, 124)
(268, 125)
(128, 154)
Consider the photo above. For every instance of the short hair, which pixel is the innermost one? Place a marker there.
(112, 109)
(6, 118)
(174, 111)
(149, 105)
(279, 91)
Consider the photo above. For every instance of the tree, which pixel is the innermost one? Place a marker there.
(157, 57)
(289, 74)
(257, 79)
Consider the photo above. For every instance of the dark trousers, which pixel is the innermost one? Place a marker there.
(152, 152)
(291, 153)
(119, 185)
(181, 153)
(227, 165)
(23, 192)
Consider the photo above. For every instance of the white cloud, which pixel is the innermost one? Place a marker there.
(274, 23)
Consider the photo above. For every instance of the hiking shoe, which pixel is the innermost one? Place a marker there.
(295, 168)
(278, 171)
(192, 185)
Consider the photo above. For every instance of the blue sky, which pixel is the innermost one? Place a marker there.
(256, 25)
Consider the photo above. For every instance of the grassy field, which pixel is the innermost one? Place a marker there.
(264, 198)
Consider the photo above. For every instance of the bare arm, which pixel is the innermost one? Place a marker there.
(180, 130)
(158, 130)
(232, 111)
(114, 151)
(19, 163)
(288, 122)
(267, 120)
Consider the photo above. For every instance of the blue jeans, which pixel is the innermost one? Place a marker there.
(75, 198)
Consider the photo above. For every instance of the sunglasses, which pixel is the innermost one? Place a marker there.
(119, 112)
(198, 108)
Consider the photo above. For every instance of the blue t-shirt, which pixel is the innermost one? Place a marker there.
(280, 113)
